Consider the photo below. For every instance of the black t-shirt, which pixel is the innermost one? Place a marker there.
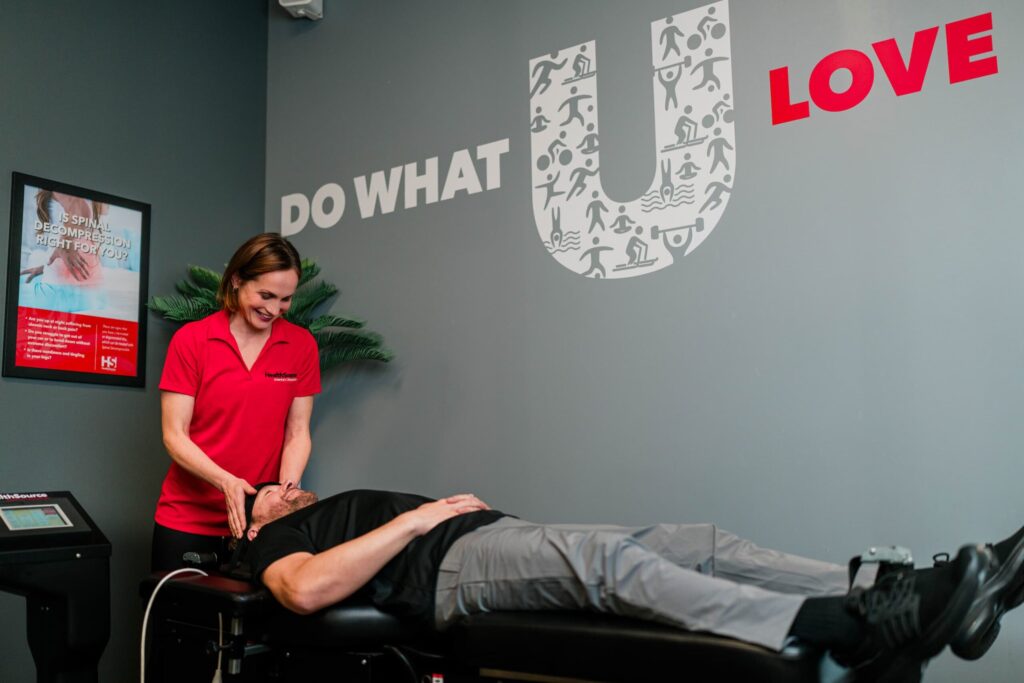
(405, 585)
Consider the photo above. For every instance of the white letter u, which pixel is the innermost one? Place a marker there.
(581, 227)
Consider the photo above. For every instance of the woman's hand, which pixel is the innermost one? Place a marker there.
(175, 418)
(429, 515)
(235, 490)
(32, 273)
(76, 263)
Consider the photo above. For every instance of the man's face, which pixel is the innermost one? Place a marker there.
(275, 501)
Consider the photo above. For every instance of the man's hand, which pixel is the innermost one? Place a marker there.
(429, 515)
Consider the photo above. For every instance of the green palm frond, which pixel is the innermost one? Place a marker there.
(346, 354)
(181, 309)
(190, 289)
(309, 271)
(307, 298)
(355, 338)
(204, 277)
(322, 322)
(340, 338)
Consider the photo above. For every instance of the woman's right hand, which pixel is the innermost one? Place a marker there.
(75, 262)
(235, 490)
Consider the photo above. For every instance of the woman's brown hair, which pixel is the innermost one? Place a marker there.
(266, 253)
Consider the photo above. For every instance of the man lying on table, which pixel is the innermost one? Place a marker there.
(435, 560)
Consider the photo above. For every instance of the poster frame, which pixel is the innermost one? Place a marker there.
(10, 366)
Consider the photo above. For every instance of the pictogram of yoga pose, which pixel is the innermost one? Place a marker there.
(579, 176)
(718, 147)
(539, 122)
(550, 186)
(595, 260)
(622, 223)
(688, 169)
(573, 103)
(668, 78)
(709, 76)
(594, 210)
(716, 189)
(588, 145)
(543, 72)
(669, 36)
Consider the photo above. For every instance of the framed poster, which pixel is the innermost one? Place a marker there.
(77, 278)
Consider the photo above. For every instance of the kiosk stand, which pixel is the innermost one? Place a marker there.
(52, 553)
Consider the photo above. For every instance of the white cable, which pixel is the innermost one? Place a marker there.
(220, 646)
(145, 618)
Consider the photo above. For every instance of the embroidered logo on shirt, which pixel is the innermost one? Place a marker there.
(282, 376)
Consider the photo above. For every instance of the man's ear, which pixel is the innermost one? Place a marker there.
(252, 531)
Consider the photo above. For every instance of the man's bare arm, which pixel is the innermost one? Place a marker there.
(305, 583)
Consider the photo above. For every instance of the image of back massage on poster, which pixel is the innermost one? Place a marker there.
(79, 256)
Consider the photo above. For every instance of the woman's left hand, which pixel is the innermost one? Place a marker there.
(32, 273)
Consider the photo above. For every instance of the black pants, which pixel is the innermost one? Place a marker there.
(169, 545)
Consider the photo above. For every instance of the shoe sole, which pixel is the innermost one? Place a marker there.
(906, 665)
(971, 562)
(997, 595)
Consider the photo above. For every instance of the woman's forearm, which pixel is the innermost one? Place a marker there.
(193, 460)
(297, 441)
(294, 457)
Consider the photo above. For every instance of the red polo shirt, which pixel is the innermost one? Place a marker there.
(239, 414)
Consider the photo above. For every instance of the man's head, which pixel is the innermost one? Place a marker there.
(273, 501)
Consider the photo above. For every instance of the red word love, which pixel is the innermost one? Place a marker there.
(963, 44)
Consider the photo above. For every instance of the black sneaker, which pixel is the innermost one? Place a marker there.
(899, 640)
(1002, 589)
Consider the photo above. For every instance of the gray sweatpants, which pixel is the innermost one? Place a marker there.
(694, 576)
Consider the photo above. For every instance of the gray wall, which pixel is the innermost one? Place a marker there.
(158, 102)
(837, 365)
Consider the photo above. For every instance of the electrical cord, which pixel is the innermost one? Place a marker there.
(220, 646)
(145, 622)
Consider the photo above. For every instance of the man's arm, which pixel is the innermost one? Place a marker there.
(304, 582)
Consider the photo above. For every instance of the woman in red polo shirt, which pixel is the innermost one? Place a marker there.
(236, 398)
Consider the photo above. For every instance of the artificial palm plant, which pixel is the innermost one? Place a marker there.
(339, 338)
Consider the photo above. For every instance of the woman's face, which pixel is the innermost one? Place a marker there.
(266, 298)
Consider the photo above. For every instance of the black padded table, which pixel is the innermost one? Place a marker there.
(493, 646)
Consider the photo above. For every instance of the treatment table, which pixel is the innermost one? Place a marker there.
(357, 642)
